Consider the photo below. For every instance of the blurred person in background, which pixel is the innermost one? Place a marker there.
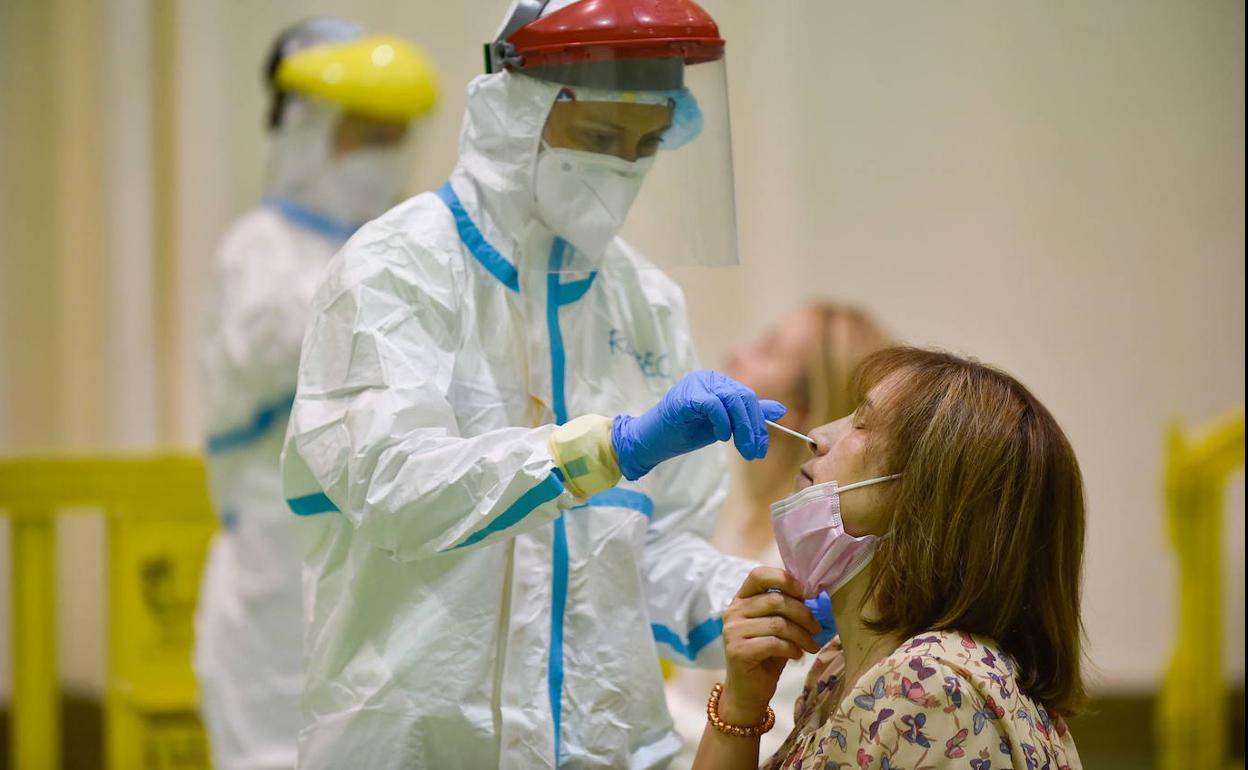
(945, 517)
(805, 360)
(341, 107)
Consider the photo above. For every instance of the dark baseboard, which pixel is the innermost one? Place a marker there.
(82, 733)
(1116, 734)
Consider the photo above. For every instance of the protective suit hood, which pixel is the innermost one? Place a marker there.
(498, 146)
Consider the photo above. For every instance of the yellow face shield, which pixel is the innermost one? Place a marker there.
(379, 77)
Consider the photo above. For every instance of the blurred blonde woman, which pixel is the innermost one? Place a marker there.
(805, 360)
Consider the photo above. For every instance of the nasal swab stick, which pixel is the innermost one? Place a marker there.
(791, 432)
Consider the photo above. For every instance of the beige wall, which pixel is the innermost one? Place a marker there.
(1056, 187)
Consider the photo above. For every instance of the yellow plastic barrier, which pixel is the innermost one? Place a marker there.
(159, 524)
(1192, 716)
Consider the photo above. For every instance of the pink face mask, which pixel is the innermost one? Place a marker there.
(812, 539)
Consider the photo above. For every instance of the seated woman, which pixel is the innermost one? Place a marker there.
(945, 517)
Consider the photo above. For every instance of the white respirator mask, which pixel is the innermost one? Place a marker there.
(584, 197)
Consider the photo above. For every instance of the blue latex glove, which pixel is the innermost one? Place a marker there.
(701, 409)
(821, 608)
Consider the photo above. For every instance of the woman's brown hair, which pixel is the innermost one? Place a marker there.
(988, 516)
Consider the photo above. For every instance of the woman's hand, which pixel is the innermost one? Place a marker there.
(764, 628)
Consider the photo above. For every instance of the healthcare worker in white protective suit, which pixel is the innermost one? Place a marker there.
(336, 163)
(482, 368)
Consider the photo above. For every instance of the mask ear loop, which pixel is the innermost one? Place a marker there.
(868, 482)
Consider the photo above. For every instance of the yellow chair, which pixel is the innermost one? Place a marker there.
(159, 523)
(1192, 716)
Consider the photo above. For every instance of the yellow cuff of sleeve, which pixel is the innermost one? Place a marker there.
(583, 450)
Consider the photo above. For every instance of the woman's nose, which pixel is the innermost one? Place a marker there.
(823, 439)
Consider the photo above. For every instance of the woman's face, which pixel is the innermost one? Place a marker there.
(849, 451)
(772, 364)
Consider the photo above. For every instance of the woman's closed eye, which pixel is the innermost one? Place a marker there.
(859, 418)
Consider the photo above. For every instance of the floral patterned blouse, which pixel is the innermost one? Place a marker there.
(943, 699)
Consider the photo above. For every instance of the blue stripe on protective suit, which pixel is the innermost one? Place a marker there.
(266, 417)
(701, 635)
(567, 293)
(487, 255)
(557, 295)
(559, 555)
(559, 605)
(546, 490)
(310, 220)
(557, 361)
(621, 498)
(309, 505)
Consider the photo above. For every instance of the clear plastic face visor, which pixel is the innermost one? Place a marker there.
(650, 165)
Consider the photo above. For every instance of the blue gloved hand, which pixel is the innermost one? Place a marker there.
(821, 608)
(701, 409)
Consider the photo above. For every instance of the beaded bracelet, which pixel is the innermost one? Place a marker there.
(712, 716)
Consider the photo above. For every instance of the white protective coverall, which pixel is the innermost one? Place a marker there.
(249, 620)
(464, 609)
